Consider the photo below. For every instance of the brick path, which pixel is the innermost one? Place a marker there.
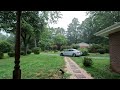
(75, 71)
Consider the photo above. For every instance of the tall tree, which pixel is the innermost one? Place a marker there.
(73, 31)
(97, 21)
(33, 23)
(59, 40)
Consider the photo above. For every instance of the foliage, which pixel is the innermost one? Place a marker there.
(5, 46)
(73, 32)
(65, 47)
(106, 48)
(94, 48)
(46, 40)
(54, 47)
(1, 55)
(85, 53)
(22, 53)
(29, 51)
(36, 50)
(11, 54)
(75, 46)
(3, 37)
(101, 51)
(59, 40)
(32, 24)
(87, 62)
(100, 48)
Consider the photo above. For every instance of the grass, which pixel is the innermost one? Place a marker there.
(100, 68)
(42, 66)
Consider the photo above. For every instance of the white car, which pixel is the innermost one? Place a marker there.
(71, 52)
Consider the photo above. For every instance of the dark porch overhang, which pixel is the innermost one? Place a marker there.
(109, 30)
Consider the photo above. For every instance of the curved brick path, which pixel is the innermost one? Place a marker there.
(75, 71)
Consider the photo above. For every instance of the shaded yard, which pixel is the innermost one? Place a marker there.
(42, 66)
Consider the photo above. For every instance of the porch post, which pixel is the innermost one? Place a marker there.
(17, 71)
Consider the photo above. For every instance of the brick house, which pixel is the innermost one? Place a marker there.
(83, 45)
(113, 33)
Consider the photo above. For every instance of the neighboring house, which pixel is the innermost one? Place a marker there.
(83, 45)
(113, 32)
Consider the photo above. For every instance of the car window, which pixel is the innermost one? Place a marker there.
(71, 50)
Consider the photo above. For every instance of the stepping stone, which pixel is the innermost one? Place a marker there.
(80, 76)
(71, 63)
(72, 66)
(76, 71)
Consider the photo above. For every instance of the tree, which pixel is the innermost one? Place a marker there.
(3, 37)
(59, 30)
(59, 40)
(26, 34)
(46, 40)
(33, 23)
(73, 31)
(97, 21)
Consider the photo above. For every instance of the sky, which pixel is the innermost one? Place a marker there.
(67, 17)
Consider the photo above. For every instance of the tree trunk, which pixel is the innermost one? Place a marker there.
(25, 49)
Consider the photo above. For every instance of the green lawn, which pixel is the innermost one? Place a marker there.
(100, 68)
(42, 66)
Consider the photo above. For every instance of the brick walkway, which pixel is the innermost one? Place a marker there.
(75, 71)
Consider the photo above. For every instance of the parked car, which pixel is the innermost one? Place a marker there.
(71, 52)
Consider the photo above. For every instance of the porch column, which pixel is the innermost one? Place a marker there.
(17, 71)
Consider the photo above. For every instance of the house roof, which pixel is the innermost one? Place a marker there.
(109, 30)
(83, 44)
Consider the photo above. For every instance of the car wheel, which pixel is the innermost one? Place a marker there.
(74, 55)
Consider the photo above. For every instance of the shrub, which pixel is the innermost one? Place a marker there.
(5, 46)
(22, 53)
(101, 51)
(29, 51)
(36, 50)
(85, 53)
(54, 47)
(1, 55)
(94, 48)
(11, 54)
(87, 62)
(106, 48)
(75, 46)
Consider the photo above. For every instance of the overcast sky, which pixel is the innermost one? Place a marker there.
(67, 18)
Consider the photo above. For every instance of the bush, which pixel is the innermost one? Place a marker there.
(85, 53)
(36, 50)
(11, 54)
(106, 48)
(94, 48)
(75, 46)
(87, 62)
(29, 51)
(5, 46)
(22, 53)
(54, 47)
(101, 51)
(1, 55)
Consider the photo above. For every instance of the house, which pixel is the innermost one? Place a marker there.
(113, 33)
(83, 45)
